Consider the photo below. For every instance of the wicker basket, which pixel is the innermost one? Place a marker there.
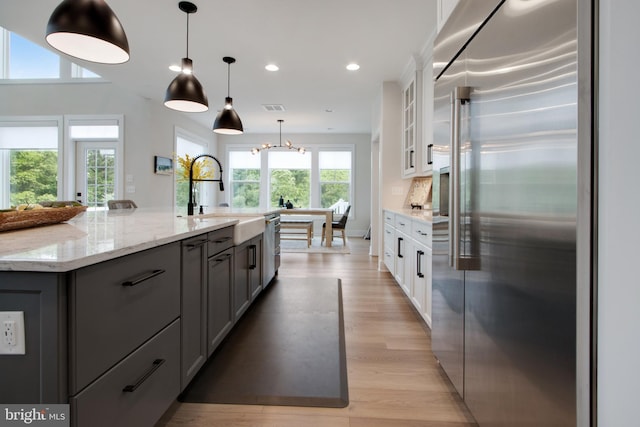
(15, 220)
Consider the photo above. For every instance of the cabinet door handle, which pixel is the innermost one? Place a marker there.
(411, 154)
(254, 257)
(224, 258)
(132, 387)
(151, 275)
(400, 239)
(418, 264)
(430, 154)
(196, 244)
(222, 240)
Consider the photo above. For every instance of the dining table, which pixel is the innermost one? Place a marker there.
(326, 212)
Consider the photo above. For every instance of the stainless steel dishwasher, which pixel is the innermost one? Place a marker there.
(271, 253)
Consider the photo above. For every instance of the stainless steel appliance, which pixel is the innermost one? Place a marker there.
(505, 206)
(271, 253)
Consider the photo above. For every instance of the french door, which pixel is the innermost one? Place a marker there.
(96, 173)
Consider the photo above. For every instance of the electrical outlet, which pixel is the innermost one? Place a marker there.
(12, 330)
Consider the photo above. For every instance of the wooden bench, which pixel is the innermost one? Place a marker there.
(297, 224)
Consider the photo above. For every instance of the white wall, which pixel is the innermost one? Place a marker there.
(361, 219)
(148, 127)
(619, 213)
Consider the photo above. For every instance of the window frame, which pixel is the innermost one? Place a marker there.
(69, 171)
(345, 148)
(33, 121)
(315, 150)
(66, 66)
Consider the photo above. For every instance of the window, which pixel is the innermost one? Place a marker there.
(322, 177)
(29, 61)
(335, 179)
(22, 59)
(187, 147)
(29, 162)
(245, 179)
(290, 177)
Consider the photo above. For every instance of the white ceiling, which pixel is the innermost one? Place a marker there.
(311, 41)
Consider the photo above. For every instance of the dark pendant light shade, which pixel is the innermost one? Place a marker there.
(185, 93)
(89, 30)
(227, 121)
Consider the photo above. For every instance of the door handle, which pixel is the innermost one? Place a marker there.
(460, 96)
(400, 239)
(254, 258)
(419, 264)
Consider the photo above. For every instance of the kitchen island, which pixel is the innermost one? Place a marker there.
(122, 308)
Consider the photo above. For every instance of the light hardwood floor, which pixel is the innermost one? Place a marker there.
(394, 380)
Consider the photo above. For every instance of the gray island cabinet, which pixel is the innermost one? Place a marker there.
(121, 310)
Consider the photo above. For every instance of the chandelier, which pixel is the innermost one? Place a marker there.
(288, 144)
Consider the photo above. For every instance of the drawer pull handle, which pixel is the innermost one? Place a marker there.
(132, 387)
(197, 244)
(224, 239)
(151, 275)
(224, 258)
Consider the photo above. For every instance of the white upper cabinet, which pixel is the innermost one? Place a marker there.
(417, 115)
(412, 103)
(426, 164)
(409, 126)
(444, 9)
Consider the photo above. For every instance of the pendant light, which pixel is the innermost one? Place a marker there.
(228, 122)
(89, 30)
(288, 144)
(185, 93)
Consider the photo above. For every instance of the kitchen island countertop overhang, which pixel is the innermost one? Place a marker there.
(93, 237)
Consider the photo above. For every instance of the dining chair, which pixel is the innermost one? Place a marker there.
(121, 204)
(341, 224)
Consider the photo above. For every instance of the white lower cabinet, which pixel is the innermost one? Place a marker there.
(421, 296)
(408, 256)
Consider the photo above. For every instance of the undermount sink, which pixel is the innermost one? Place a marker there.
(247, 228)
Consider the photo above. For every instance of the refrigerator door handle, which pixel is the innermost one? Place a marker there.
(459, 96)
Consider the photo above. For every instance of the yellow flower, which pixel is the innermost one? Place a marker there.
(202, 168)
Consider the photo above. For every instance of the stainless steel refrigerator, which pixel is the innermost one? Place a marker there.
(505, 205)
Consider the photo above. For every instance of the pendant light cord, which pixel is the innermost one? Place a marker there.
(187, 34)
(228, 80)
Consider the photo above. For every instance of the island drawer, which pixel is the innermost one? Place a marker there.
(119, 304)
(220, 240)
(136, 391)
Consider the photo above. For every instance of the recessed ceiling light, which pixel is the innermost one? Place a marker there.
(353, 67)
(271, 67)
(176, 68)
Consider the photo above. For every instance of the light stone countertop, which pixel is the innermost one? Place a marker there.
(93, 237)
(425, 215)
